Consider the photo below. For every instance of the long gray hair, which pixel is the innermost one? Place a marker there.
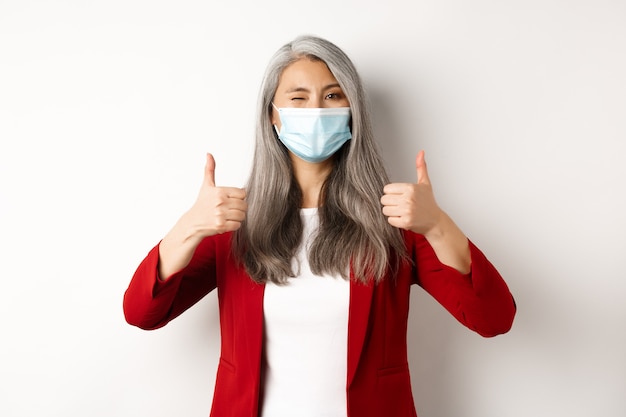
(353, 232)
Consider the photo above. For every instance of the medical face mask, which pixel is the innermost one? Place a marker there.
(314, 134)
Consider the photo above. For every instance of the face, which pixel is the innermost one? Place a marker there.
(307, 83)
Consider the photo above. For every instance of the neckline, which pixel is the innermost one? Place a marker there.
(308, 211)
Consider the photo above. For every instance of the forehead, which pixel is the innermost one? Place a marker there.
(306, 73)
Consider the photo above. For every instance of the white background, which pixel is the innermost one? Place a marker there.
(108, 107)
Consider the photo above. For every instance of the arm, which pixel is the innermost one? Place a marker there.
(480, 299)
(181, 269)
(150, 302)
(413, 207)
(216, 210)
(448, 265)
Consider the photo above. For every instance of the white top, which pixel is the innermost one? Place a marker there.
(306, 340)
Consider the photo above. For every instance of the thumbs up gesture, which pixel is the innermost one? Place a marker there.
(412, 206)
(217, 209)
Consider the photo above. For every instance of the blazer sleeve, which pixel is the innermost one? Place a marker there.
(480, 300)
(150, 303)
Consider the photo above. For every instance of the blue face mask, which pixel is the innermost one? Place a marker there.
(314, 134)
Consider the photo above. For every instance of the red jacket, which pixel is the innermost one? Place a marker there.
(378, 382)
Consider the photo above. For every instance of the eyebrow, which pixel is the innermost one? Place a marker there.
(306, 90)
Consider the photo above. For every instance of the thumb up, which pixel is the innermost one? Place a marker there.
(217, 209)
(412, 206)
(209, 171)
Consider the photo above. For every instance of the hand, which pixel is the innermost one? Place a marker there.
(412, 206)
(217, 209)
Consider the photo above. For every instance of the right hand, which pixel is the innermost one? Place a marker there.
(217, 209)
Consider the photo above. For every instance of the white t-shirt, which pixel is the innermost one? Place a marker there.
(306, 340)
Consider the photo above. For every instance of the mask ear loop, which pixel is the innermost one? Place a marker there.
(275, 127)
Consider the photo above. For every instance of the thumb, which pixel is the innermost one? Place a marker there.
(209, 171)
(422, 172)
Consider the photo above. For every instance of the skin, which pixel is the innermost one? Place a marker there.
(413, 207)
(307, 83)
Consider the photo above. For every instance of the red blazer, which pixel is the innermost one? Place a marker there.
(378, 382)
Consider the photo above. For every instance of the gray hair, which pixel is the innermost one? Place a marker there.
(353, 231)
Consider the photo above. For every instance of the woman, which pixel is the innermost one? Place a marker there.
(314, 260)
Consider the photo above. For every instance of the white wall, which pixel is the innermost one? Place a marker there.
(107, 109)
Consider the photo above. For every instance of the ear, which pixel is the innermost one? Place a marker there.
(274, 116)
(275, 120)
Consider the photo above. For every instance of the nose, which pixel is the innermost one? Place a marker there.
(316, 102)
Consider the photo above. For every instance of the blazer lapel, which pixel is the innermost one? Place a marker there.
(251, 302)
(358, 316)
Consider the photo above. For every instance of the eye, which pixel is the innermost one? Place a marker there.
(332, 96)
(297, 98)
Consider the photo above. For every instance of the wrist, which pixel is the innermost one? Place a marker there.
(193, 227)
(439, 228)
(450, 244)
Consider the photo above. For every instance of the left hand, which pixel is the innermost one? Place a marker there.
(412, 206)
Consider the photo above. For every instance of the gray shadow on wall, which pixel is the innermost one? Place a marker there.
(430, 326)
